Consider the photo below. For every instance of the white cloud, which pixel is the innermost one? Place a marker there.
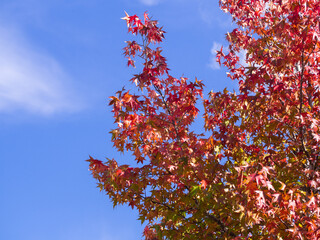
(206, 9)
(213, 63)
(217, 46)
(150, 2)
(242, 58)
(29, 80)
(211, 14)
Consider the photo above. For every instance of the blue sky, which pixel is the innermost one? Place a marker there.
(59, 62)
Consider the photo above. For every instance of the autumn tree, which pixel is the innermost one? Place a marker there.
(254, 172)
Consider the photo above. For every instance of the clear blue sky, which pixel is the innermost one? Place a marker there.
(60, 60)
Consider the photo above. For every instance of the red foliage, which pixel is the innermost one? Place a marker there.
(257, 176)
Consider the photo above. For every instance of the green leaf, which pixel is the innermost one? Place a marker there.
(194, 190)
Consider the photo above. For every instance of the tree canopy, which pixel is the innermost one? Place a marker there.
(254, 170)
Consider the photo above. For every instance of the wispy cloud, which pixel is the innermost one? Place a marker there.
(206, 9)
(213, 60)
(211, 14)
(150, 2)
(242, 58)
(29, 80)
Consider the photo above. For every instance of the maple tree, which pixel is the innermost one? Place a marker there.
(254, 173)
